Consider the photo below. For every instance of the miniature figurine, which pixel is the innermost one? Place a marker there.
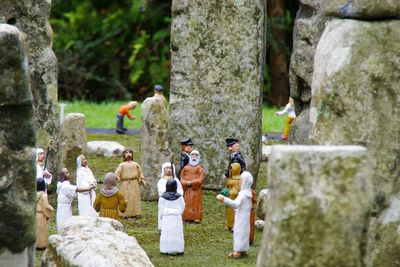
(252, 216)
(242, 205)
(85, 178)
(41, 168)
(233, 147)
(43, 213)
(170, 225)
(233, 186)
(159, 94)
(110, 200)
(192, 178)
(122, 111)
(186, 148)
(66, 192)
(166, 174)
(130, 174)
(289, 108)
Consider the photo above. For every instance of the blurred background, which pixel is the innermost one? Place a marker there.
(117, 50)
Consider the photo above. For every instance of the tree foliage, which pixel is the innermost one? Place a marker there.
(111, 49)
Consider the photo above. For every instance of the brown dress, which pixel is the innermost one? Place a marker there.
(192, 178)
(43, 213)
(129, 173)
(108, 206)
(252, 215)
(233, 184)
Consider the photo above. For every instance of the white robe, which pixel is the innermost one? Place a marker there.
(39, 174)
(161, 186)
(171, 226)
(84, 178)
(241, 228)
(66, 193)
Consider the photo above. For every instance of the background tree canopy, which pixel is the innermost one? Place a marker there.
(120, 49)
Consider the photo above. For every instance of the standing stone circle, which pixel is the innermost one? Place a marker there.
(17, 142)
(318, 206)
(217, 54)
(154, 149)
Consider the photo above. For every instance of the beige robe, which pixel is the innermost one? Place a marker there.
(130, 175)
(43, 212)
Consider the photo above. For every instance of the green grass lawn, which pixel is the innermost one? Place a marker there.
(206, 244)
(102, 115)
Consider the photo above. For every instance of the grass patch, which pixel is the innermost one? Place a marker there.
(206, 244)
(102, 115)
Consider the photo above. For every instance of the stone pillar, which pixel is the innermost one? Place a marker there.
(308, 27)
(355, 100)
(17, 160)
(154, 150)
(318, 206)
(217, 54)
(72, 142)
(32, 18)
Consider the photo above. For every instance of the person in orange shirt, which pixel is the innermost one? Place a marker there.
(122, 111)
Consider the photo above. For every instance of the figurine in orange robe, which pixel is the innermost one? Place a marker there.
(192, 178)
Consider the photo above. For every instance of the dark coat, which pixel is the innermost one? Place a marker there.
(237, 158)
(184, 160)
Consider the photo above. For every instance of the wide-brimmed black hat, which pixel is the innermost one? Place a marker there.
(187, 142)
(231, 141)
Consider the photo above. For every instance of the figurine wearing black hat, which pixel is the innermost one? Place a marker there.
(186, 148)
(233, 146)
(159, 94)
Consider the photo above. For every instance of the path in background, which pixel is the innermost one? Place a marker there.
(111, 131)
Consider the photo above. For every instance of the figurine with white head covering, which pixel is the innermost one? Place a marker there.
(167, 173)
(242, 205)
(41, 169)
(85, 178)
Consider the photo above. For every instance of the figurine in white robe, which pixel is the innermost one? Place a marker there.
(65, 194)
(85, 178)
(41, 170)
(242, 205)
(170, 208)
(166, 174)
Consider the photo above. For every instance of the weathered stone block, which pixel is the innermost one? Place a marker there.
(309, 25)
(88, 241)
(216, 80)
(262, 204)
(356, 95)
(17, 140)
(154, 149)
(362, 9)
(318, 206)
(384, 237)
(105, 148)
(72, 142)
(31, 17)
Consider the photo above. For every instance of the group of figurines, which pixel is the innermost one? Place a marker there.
(179, 191)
